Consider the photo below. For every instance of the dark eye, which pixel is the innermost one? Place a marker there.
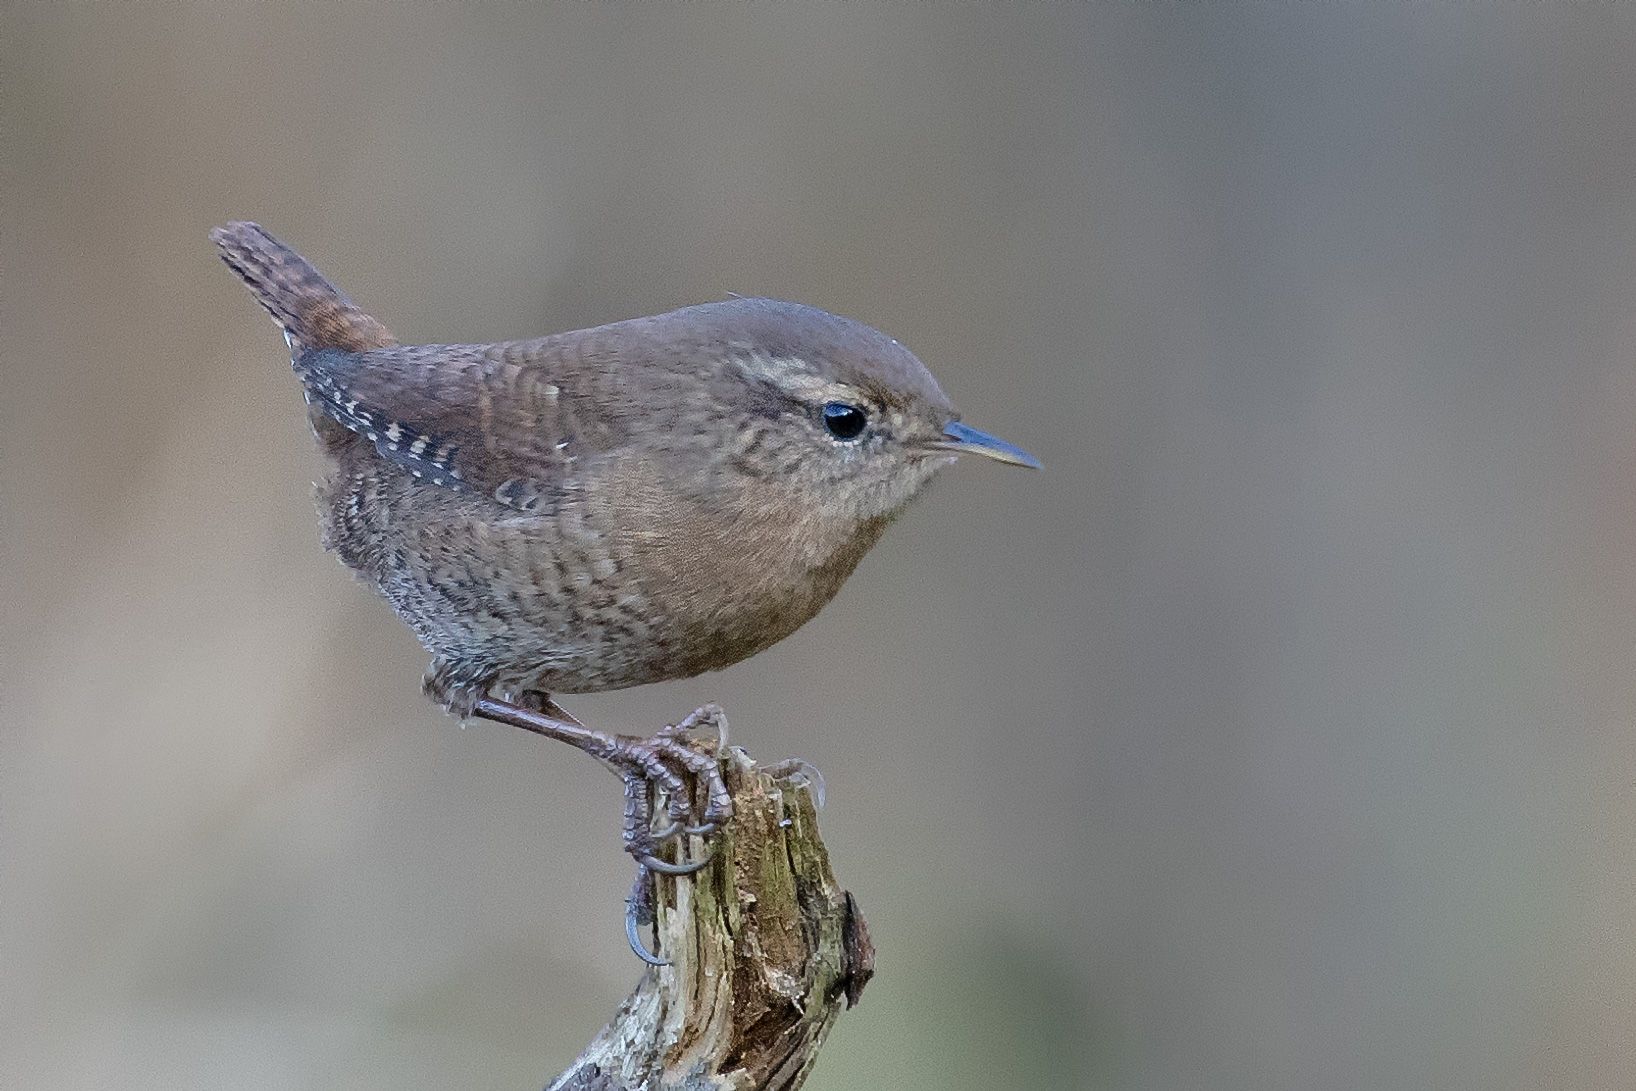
(844, 421)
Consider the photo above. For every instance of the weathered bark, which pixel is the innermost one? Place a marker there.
(765, 949)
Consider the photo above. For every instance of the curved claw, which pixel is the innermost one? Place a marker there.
(806, 775)
(719, 720)
(816, 779)
(716, 718)
(704, 829)
(633, 933)
(665, 867)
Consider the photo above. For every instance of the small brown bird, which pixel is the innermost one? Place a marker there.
(640, 501)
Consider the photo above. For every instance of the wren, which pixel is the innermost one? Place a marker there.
(586, 511)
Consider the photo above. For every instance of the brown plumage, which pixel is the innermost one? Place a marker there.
(591, 510)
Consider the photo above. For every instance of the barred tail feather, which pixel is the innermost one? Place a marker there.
(312, 313)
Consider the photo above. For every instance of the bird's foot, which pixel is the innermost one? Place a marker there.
(674, 760)
(665, 761)
(660, 762)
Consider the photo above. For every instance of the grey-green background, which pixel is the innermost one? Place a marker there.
(1280, 735)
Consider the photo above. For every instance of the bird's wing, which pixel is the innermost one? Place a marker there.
(500, 419)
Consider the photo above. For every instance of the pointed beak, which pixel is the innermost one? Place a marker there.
(963, 440)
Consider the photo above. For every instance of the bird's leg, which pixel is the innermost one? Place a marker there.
(642, 764)
(660, 760)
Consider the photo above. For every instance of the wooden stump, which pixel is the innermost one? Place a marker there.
(765, 949)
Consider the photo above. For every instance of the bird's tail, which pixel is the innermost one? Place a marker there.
(312, 313)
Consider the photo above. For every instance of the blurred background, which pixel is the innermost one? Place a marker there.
(1279, 735)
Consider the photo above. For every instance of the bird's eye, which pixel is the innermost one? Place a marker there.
(844, 421)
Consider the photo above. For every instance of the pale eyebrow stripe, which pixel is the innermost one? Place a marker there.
(795, 377)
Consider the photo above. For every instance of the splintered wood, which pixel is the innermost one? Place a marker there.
(765, 950)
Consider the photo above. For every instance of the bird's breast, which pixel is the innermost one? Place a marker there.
(731, 573)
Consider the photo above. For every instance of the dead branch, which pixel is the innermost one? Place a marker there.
(765, 949)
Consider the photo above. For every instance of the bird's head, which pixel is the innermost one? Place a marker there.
(827, 408)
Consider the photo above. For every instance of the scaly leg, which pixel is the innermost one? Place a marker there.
(661, 760)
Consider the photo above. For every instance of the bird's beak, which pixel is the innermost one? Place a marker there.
(963, 440)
